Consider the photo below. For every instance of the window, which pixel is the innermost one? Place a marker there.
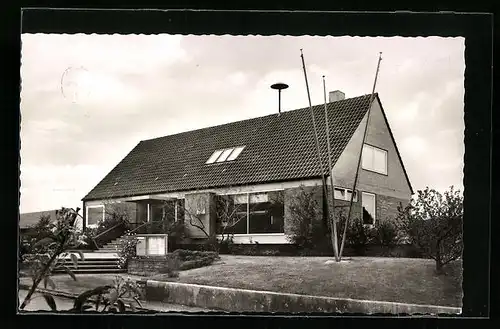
(229, 154)
(156, 245)
(368, 201)
(142, 212)
(232, 213)
(374, 159)
(95, 214)
(214, 156)
(235, 153)
(251, 213)
(179, 209)
(344, 194)
(156, 212)
(266, 213)
(224, 155)
(339, 193)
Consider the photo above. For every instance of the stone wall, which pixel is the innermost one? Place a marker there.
(146, 266)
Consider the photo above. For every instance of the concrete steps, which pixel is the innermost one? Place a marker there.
(103, 260)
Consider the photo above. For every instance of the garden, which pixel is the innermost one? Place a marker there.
(430, 273)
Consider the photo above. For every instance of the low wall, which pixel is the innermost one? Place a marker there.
(241, 300)
(146, 266)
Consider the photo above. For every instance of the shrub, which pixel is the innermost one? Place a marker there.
(171, 269)
(433, 224)
(270, 252)
(385, 233)
(225, 245)
(305, 229)
(195, 263)
(358, 235)
(182, 260)
(127, 250)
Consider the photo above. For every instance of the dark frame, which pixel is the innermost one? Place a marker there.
(476, 28)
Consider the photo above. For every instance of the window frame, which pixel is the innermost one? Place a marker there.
(226, 153)
(373, 149)
(345, 192)
(229, 158)
(213, 155)
(247, 196)
(87, 215)
(374, 215)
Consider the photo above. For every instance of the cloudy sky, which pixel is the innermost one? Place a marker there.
(136, 87)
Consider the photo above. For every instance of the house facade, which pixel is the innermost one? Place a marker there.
(258, 166)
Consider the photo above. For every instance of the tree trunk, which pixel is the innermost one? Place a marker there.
(439, 261)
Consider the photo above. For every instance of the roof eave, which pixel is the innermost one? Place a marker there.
(86, 198)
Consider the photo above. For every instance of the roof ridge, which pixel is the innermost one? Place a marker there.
(249, 119)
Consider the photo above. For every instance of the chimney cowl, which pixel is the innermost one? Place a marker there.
(336, 95)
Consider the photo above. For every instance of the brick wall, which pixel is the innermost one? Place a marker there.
(387, 207)
(146, 266)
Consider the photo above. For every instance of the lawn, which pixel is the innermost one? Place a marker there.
(402, 280)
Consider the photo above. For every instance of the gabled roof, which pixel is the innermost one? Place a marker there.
(277, 148)
(29, 219)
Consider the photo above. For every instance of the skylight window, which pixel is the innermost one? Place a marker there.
(224, 155)
(235, 153)
(214, 156)
(229, 154)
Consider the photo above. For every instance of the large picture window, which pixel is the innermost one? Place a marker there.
(251, 213)
(266, 213)
(232, 214)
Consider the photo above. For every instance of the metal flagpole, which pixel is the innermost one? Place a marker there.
(359, 158)
(325, 191)
(332, 212)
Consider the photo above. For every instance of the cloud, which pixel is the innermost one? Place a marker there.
(136, 87)
(52, 186)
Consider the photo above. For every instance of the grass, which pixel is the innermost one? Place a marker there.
(385, 279)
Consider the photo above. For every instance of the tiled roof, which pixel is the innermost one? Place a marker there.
(278, 148)
(29, 219)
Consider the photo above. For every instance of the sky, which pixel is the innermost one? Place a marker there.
(88, 99)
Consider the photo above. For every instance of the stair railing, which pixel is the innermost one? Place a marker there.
(106, 232)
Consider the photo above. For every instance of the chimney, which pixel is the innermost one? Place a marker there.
(336, 95)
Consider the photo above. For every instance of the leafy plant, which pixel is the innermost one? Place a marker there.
(385, 233)
(358, 235)
(225, 245)
(172, 268)
(305, 228)
(48, 253)
(110, 298)
(433, 223)
(127, 249)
